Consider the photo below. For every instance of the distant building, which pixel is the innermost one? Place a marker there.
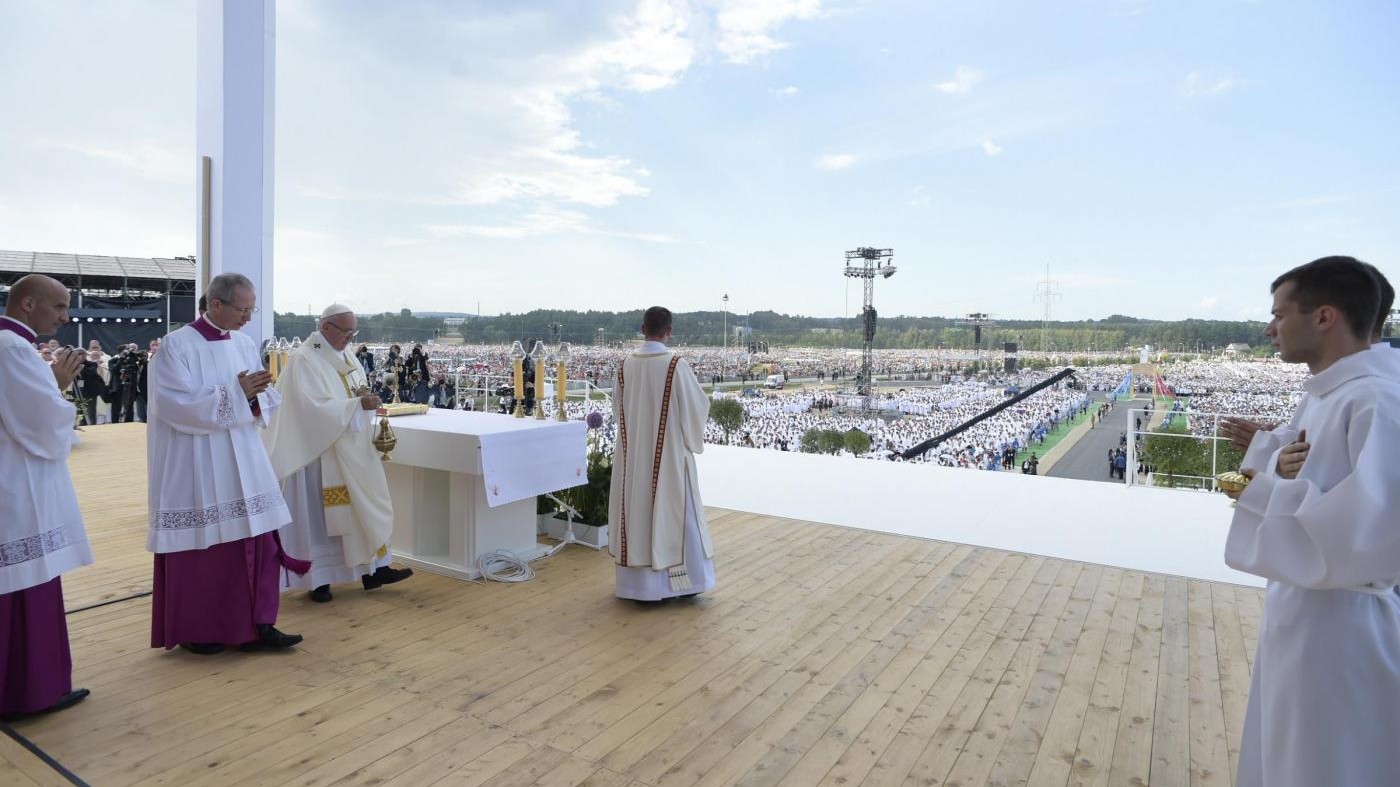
(453, 322)
(1237, 348)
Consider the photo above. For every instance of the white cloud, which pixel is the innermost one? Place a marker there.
(158, 161)
(786, 92)
(1197, 84)
(836, 161)
(745, 27)
(648, 52)
(991, 148)
(537, 223)
(1208, 302)
(919, 197)
(964, 78)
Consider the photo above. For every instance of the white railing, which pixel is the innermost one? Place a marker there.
(469, 387)
(1201, 427)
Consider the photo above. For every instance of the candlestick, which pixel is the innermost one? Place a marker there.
(561, 381)
(537, 355)
(517, 354)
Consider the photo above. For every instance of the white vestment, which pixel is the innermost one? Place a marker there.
(659, 535)
(320, 443)
(1324, 705)
(41, 528)
(210, 478)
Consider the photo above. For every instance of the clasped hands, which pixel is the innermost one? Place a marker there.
(254, 383)
(1240, 431)
(67, 362)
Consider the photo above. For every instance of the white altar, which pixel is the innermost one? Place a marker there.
(464, 485)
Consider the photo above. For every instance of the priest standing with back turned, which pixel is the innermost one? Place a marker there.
(41, 527)
(215, 505)
(662, 543)
(321, 444)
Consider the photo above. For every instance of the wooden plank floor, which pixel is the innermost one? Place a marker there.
(827, 656)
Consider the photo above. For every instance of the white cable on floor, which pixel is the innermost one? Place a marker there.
(504, 566)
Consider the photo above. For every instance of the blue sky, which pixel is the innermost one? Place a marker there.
(1165, 159)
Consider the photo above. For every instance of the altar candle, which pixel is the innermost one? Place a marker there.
(540, 382)
(561, 382)
(520, 378)
(272, 363)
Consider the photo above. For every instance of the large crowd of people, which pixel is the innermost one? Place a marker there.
(938, 393)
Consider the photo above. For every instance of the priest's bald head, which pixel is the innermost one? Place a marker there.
(40, 302)
(339, 325)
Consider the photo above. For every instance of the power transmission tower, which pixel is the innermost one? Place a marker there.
(1047, 292)
(872, 263)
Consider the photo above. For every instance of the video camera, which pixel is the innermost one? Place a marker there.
(130, 364)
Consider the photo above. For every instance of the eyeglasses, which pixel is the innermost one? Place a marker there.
(349, 334)
(248, 312)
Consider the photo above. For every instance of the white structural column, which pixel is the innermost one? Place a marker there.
(236, 75)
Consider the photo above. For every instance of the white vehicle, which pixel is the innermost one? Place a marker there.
(775, 381)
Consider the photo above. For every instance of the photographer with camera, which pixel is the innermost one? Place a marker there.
(128, 395)
(90, 386)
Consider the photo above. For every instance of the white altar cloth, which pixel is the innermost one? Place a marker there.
(517, 458)
(464, 484)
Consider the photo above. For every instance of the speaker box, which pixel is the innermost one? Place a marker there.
(1008, 365)
(1010, 348)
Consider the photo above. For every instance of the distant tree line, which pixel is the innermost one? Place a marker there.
(708, 328)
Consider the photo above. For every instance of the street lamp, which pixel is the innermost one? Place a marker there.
(726, 320)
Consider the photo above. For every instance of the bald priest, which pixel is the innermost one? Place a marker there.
(41, 528)
(320, 442)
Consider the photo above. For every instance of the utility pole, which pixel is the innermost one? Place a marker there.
(1047, 292)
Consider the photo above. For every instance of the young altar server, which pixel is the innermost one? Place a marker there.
(215, 505)
(41, 528)
(662, 543)
(1260, 441)
(1324, 706)
(321, 444)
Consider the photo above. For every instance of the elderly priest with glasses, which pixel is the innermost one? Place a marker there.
(320, 441)
(215, 505)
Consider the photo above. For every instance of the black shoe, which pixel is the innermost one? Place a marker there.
(69, 700)
(66, 701)
(321, 594)
(384, 575)
(203, 648)
(689, 595)
(269, 638)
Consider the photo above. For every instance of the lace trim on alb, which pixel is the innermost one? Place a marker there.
(213, 515)
(34, 547)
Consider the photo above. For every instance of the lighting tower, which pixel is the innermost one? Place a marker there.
(867, 263)
(978, 321)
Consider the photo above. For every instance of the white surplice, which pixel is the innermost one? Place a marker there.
(210, 479)
(321, 445)
(41, 527)
(1324, 704)
(661, 542)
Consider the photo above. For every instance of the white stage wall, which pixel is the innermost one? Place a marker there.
(1164, 531)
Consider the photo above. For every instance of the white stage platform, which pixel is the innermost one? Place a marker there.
(1165, 531)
